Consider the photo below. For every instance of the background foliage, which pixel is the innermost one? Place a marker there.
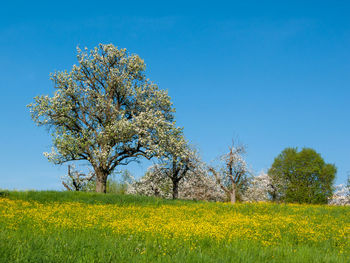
(302, 177)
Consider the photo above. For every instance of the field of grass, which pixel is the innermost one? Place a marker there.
(90, 227)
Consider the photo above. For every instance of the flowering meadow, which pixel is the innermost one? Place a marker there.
(86, 227)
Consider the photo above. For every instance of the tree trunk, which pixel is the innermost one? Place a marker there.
(273, 193)
(175, 189)
(101, 181)
(233, 194)
(175, 179)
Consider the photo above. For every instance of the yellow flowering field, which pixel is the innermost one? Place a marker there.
(263, 224)
(195, 221)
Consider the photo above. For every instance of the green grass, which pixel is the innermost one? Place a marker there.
(94, 246)
(86, 197)
(28, 244)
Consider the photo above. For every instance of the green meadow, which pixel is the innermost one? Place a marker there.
(89, 227)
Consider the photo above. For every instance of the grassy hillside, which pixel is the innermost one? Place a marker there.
(88, 227)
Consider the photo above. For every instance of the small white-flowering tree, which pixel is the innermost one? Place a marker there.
(75, 180)
(153, 183)
(233, 171)
(341, 195)
(259, 188)
(106, 112)
(177, 163)
(196, 185)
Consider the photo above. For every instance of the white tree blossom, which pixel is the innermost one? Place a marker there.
(153, 183)
(258, 188)
(233, 171)
(341, 195)
(199, 185)
(177, 164)
(196, 185)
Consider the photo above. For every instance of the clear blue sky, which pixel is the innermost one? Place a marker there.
(274, 74)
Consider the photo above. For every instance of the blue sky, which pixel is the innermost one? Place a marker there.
(270, 74)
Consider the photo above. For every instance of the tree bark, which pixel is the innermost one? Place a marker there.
(273, 193)
(175, 189)
(101, 181)
(233, 194)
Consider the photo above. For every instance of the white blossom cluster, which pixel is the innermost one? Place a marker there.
(195, 186)
(258, 188)
(341, 195)
(232, 172)
(152, 183)
(201, 187)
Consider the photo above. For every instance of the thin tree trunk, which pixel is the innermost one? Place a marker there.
(233, 194)
(101, 181)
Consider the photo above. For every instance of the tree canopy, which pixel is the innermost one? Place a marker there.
(105, 111)
(301, 176)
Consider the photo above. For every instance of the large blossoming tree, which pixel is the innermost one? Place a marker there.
(105, 111)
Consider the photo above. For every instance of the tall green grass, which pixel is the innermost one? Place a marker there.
(97, 246)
